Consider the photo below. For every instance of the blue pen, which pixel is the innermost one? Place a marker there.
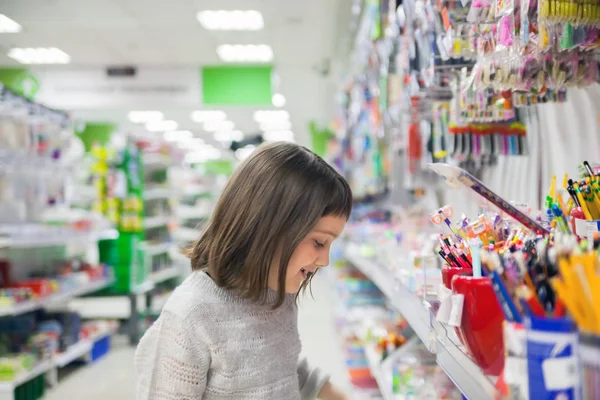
(508, 306)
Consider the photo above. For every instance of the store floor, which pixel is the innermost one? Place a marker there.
(113, 377)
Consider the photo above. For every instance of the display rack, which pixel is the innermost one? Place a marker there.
(80, 350)
(458, 366)
(7, 388)
(58, 298)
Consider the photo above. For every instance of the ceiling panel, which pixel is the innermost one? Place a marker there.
(96, 33)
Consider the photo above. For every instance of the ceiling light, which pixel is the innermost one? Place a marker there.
(237, 20)
(213, 126)
(176, 136)
(8, 25)
(271, 115)
(161, 126)
(39, 55)
(278, 100)
(208, 115)
(275, 125)
(279, 136)
(245, 52)
(228, 136)
(139, 117)
(244, 152)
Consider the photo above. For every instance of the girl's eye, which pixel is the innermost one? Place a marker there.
(319, 245)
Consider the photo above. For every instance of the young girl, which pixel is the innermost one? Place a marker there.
(230, 330)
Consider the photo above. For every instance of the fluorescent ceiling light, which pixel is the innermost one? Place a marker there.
(39, 55)
(275, 125)
(279, 136)
(8, 25)
(278, 100)
(244, 152)
(271, 115)
(228, 136)
(176, 136)
(161, 126)
(245, 53)
(208, 115)
(236, 20)
(213, 126)
(140, 117)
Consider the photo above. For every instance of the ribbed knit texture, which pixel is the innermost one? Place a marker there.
(210, 344)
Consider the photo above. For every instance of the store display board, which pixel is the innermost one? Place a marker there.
(20, 81)
(236, 86)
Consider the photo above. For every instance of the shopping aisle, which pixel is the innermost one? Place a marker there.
(113, 377)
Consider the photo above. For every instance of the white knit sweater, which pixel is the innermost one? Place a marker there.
(210, 344)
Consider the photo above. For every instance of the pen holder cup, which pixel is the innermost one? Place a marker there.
(553, 364)
(448, 273)
(590, 364)
(481, 323)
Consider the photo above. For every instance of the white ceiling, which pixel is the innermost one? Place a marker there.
(166, 33)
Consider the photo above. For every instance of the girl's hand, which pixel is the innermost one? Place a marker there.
(331, 392)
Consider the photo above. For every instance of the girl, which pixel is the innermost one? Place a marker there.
(230, 330)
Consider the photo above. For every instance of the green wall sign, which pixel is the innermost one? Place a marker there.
(21, 81)
(96, 132)
(320, 138)
(237, 86)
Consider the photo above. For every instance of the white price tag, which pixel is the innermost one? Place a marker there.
(560, 373)
(515, 370)
(458, 301)
(585, 228)
(443, 313)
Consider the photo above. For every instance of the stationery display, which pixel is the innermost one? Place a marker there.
(380, 349)
(527, 290)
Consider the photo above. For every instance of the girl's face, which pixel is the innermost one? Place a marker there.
(311, 254)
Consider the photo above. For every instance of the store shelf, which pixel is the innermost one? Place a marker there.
(156, 249)
(165, 274)
(156, 278)
(412, 308)
(156, 161)
(56, 237)
(378, 372)
(80, 349)
(183, 234)
(41, 368)
(157, 193)
(156, 222)
(465, 374)
(54, 299)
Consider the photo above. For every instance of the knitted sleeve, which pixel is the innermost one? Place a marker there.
(171, 363)
(311, 380)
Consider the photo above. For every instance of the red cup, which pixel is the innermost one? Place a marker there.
(449, 272)
(481, 324)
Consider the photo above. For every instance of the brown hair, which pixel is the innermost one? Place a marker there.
(269, 205)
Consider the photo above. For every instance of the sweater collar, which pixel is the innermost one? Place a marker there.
(207, 284)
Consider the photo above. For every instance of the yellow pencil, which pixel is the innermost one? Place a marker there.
(553, 187)
(582, 202)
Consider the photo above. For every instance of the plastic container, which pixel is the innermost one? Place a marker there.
(553, 364)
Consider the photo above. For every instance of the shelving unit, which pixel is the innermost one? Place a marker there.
(81, 349)
(57, 298)
(466, 375)
(7, 388)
